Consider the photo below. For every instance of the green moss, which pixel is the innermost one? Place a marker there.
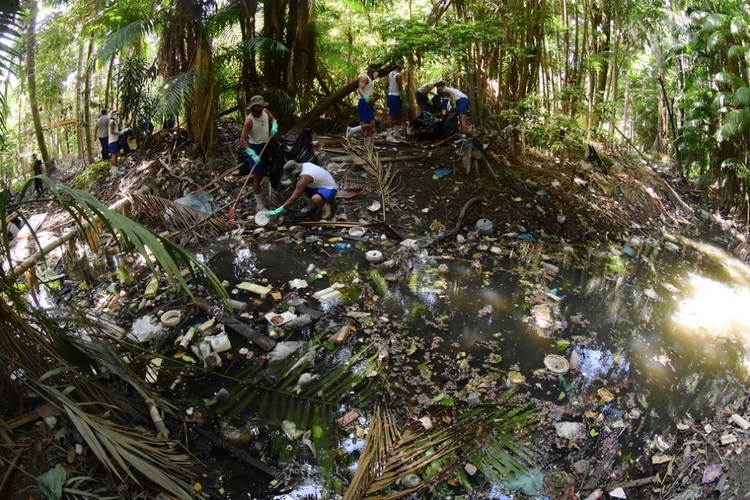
(90, 175)
(380, 283)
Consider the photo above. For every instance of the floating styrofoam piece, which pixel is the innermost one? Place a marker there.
(279, 319)
(254, 288)
(298, 283)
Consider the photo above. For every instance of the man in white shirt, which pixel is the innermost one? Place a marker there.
(460, 102)
(365, 106)
(101, 129)
(311, 180)
(114, 144)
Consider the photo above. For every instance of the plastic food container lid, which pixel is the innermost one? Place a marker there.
(356, 231)
(261, 219)
(374, 255)
(556, 364)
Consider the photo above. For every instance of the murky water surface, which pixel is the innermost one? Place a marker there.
(666, 331)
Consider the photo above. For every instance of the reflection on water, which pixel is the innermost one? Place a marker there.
(670, 335)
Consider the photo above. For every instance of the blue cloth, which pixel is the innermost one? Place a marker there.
(395, 106)
(328, 195)
(366, 113)
(444, 101)
(114, 148)
(421, 99)
(261, 169)
(462, 105)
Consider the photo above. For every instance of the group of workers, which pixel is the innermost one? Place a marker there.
(315, 182)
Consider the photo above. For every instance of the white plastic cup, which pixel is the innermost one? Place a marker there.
(220, 343)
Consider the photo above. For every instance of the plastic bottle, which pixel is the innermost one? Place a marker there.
(595, 495)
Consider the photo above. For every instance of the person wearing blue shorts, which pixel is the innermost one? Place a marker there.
(422, 95)
(397, 102)
(260, 126)
(114, 144)
(365, 106)
(313, 181)
(460, 102)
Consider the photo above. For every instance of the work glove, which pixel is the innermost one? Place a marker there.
(253, 155)
(366, 97)
(279, 211)
(453, 104)
(274, 128)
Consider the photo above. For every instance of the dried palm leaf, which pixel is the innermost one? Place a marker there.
(390, 455)
(187, 224)
(382, 174)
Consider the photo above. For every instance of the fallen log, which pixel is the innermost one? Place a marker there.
(238, 453)
(263, 341)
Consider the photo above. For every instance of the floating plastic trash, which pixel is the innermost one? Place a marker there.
(556, 364)
(484, 227)
(374, 256)
(374, 206)
(356, 231)
(342, 247)
(442, 172)
(261, 219)
(171, 318)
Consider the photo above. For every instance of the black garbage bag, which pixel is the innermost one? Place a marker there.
(426, 126)
(449, 124)
(297, 147)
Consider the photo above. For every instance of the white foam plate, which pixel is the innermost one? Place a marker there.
(261, 219)
(374, 206)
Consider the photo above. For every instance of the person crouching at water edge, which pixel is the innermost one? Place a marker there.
(310, 180)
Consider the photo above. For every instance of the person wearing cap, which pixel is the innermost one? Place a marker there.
(38, 170)
(260, 126)
(102, 132)
(114, 144)
(397, 102)
(367, 98)
(312, 181)
(459, 101)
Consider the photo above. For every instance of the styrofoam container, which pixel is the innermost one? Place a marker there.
(220, 343)
(356, 231)
(374, 256)
(261, 219)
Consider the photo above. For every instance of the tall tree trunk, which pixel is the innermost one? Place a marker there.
(108, 84)
(249, 71)
(80, 119)
(87, 104)
(31, 72)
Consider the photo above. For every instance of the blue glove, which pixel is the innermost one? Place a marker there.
(253, 155)
(366, 97)
(274, 128)
(279, 211)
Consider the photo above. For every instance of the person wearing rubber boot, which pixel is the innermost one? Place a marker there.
(260, 126)
(365, 106)
(313, 181)
(397, 103)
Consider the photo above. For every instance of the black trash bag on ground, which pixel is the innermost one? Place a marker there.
(297, 147)
(426, 126)
(449, 124)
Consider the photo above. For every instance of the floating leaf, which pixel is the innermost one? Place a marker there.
(593, 433)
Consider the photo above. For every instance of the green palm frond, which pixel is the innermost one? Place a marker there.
(127, 35)
(726, 79)
(716, 41)
(742, 96)
(734, 124)
(178, 91)
(389, 454)
(263, 44)
(738, 26)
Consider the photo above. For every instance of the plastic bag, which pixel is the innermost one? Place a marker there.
(297, 147)
(449, 124)
(426, 126)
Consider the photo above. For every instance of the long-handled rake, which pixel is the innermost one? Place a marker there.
(231, 210)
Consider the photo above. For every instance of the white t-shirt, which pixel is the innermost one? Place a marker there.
(113, 137)
(457, 94)
(369, 88)
(393, 83)
(321, 177)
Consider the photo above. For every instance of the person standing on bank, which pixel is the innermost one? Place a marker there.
(367, 98)
(397, 103)
(313, 181)
(260, 126)
(102, 132)
(460, 102)
(38, 170)
(114, 144)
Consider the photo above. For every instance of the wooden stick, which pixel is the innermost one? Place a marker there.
(216, 179)
(8, 477)
(231, 211)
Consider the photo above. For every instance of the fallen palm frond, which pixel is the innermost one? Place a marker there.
(189, 225)
(383, 175)
(435, 452)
